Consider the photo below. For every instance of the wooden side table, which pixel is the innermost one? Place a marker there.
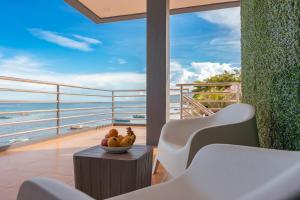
(102, 175)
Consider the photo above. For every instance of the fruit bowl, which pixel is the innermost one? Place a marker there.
(116, 143)
(116, 150)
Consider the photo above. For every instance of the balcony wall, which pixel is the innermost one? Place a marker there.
(271, 69)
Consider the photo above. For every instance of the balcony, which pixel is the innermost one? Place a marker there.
(55, 120)
(42, 124)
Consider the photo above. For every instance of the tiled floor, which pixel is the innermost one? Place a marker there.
(52, 158)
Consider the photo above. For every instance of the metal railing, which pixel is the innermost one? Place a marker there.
(31, 108)
(126, 104)
(57, 108)
(203, 99)
(57, 98)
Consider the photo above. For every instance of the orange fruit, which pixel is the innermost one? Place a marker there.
(112, 133)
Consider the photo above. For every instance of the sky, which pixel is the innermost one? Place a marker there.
(54, 42)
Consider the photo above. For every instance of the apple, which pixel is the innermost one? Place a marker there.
(104, 142)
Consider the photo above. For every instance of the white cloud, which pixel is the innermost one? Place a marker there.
(111, 80)
(179, 74)
(226, 41)
(197, 71)
(205, 70)
(27, 67)
(81, 43)
(121, 61)
(23, 66)
(20, 64)
(228, 18)
(87, 39)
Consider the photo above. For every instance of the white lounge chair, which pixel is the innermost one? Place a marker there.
(180, 140)
(218, 172)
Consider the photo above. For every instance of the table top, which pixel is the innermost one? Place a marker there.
(136, 152)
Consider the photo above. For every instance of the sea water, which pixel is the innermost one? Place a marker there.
(11, 129)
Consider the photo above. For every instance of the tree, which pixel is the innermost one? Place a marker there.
(217, 96)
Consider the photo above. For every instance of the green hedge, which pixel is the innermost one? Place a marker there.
(271, 69)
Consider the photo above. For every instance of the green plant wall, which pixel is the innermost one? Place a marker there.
(271, 69)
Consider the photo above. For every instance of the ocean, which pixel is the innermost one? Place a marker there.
(14, 107)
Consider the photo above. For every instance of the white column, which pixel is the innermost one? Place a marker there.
(158, 62)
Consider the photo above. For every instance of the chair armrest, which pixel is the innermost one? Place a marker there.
(49, 189)
(244, 133)
(182, 129)
(284, 186)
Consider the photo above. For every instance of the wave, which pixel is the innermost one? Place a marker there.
(5, 117)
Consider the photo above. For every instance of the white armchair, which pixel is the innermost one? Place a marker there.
(180, 140)
(218, 171)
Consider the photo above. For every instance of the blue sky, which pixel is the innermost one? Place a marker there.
(57, 43)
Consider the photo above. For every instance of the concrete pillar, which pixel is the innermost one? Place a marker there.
(158, 64)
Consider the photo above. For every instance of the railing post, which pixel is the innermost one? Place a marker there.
(238, 92)
(57, 110)
(181, 101)
(112, 107)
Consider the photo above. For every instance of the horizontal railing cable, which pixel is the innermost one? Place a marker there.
(120, 105)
